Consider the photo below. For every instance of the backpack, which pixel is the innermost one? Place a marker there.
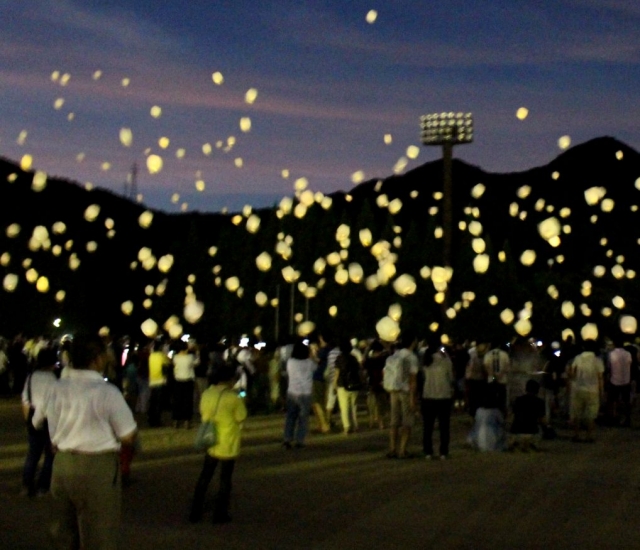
(392, 373)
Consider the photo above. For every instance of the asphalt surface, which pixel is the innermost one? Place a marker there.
(340, 492)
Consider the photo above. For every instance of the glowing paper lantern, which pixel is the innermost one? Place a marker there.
(564, 142)
(594, 194)
(145, 219)
(307, 197)
(165, 263)
(522, 113)
(263, 261)
(475, 228)
(382, 201)
(618, 302)
(425, 272)
(405, 285)
(618, 271)
(507, 316)
(478, 245)
(343, 232)
(523, 327)
(175, 331)
(333, 259)
(253, 224)
(306, 328)
(589, 331)
(549, 228)
(628, 324)
(524, 191)
(5, 259)
(193, 311)
(478, 190)
(300, 211)
(39, 181)
(10, 282)
(395, 312)
(388, 329)
(261, 299)
(607, 205)
(126, 136)
(92, 212)
(154, 164)
(356, 273)
(481, 263)
(232, 284)
(493, 300)
(319, 266)
(251, 95)
(528, 257)
(371, 17)
(342, 276)
(567, 309)
(149, 328)
(245, 124)
(395, 206)
(371, 282)
(333, 311)
(60, 295)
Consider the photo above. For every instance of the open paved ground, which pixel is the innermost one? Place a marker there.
(341, 493)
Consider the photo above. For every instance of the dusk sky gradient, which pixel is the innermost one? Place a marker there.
(330, 86)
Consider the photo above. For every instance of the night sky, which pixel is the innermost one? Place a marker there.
(330, 84)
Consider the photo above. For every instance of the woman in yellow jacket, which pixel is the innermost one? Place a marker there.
(223, 405)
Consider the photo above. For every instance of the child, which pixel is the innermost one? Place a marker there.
(488, 432)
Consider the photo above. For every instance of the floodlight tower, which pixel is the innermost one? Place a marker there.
(447, 129)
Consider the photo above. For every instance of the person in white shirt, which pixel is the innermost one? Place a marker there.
(35, 388)
(184, 374)
(88, 421)
(300, 369)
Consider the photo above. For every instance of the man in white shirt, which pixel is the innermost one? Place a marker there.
(620, 384)
(88, 421)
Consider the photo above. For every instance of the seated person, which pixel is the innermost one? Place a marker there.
(488, 433)
(528, 417)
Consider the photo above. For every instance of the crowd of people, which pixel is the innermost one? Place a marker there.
(81, 399)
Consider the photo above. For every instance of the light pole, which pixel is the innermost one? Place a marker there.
(447, 130)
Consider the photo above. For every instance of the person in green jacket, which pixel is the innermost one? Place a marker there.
(223, 405)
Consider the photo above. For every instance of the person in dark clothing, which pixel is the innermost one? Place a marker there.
(528, 416)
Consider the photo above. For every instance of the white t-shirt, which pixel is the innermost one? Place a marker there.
(85, 414)
(183, 367)
(41, 381)
(410, 366)
(300, 372)
(497, 363)
(586, 367)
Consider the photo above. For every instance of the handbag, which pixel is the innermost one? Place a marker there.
(207, 434)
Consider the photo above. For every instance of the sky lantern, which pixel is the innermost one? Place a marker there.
(599, 271)
(92, 246)
(371, 17)
(263, 261)
(522, 113)
(549, 228)
(395, 206)
(300, 211)
(26, 162)
(165, 263)
(149, 328)
(405, 285)
(310, 292)
(74, 262)
(10, 282)
(144, 253)
(628, 324)
(232, 284)
(343, 232)
(395, 312)
(388, 329)
(386, 272)
(175, 331)
(618, 301)
(618, 271)
(478, 190)
(528, 257)
(342, 276)
(145, 219)
(493, 300)
(425, 272)
(5, 258)
(589, 331)
(481, 263)
(475, 228)
(333, 259)
(251, 95)
(126, 136)
(365, 237)
(39, 181)
(356, 273)
(59, 228)
(371, 282)
(594, 194)
(253, 223)
(507, 316)
(306, 328)
(567, 309)
(333, 311)
(193, 311)
(92, 212)
(478, 245)
(319, 266)
(32, 275)
(308, 198)
(326, 203)
(60, 296)
(523, 327)
(261, 299)
(564, 142)
(607, 205)
(382, 201)
(154, 164)
(170, 322)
